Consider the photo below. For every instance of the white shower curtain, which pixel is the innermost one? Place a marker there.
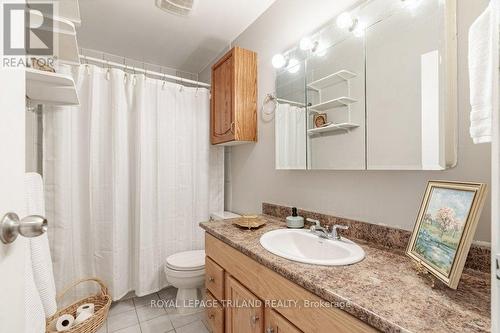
(290, 127)
(128, 175)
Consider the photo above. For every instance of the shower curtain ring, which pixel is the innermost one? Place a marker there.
(125, 75)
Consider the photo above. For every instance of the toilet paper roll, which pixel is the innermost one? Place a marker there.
(84, 315)
(87, 307)
(64, 322)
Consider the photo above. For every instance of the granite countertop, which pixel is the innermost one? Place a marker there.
(383, 290)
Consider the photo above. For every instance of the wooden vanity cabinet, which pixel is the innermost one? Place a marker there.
(233, 115)
(246, 280)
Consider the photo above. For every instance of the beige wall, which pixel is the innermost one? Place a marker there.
(383, 197)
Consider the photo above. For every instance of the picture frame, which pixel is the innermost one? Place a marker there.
(320, 120)
(445, 226)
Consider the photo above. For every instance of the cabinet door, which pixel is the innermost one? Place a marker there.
(222, 114)
(245, 312)
(276, 323)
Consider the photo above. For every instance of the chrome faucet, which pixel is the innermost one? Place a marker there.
(318, 230)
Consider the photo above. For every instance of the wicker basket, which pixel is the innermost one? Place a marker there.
(101, 300)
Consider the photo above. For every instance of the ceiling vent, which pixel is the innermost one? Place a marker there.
(177, 7)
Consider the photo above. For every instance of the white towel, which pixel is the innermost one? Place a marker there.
(40, 252)
(483, 42)
(34, 315)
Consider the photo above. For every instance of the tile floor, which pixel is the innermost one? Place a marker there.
(135, 315)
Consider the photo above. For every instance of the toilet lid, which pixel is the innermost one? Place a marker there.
(187, 261)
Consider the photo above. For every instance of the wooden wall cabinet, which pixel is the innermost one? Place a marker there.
(256, 287)
(233, 116)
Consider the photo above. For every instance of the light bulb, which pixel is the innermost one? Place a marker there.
(306, 44)
(293, 66)
(278, 60)
(344, 20)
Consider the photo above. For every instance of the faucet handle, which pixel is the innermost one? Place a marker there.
(316, 222)
(340, 226)
(334, 233)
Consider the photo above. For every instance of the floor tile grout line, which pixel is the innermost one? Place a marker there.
(138, 321)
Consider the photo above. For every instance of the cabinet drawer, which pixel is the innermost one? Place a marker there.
(214, 314)
(214, 278)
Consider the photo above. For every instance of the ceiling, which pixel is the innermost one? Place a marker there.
(137, 29)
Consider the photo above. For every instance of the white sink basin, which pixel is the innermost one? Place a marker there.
(303, 246)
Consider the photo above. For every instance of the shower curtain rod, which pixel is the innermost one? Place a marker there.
(140, 70)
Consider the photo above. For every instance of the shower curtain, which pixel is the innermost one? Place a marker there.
(290, 127)
(128, 176)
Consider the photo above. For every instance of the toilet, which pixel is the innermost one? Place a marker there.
(186, 272)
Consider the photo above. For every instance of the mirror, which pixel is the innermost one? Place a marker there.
(374, 90)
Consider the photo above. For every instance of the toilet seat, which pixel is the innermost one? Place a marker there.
(187, 261)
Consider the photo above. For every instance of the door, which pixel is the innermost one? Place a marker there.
(276, 323)
(245, 312)
(12, 168)
(222, 100)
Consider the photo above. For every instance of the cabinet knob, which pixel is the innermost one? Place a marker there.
(254, 319)
(211, 279)
(269, 330)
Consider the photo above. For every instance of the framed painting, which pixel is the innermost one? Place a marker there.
(445, 226)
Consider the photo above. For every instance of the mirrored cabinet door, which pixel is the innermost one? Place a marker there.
(375, 90)
(406, 90)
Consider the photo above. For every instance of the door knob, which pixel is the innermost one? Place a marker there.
(30, 226)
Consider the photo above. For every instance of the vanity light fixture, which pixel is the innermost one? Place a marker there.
(279, 61)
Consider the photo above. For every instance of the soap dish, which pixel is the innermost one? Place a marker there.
(249, 222)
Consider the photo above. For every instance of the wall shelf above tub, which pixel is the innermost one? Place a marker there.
(332, 79)
(333, 103)
(50, 88)
(66, 9)
(332, 128)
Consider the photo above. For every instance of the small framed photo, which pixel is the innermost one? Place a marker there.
(445, 226)
(320, 119)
